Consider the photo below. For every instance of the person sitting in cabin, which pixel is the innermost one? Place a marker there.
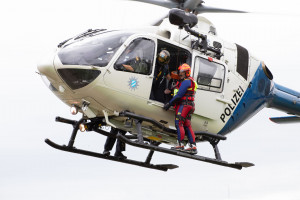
(137, 65)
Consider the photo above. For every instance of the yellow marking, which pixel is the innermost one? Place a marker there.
(154, 138)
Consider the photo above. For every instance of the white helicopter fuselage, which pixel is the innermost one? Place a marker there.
(223, 101)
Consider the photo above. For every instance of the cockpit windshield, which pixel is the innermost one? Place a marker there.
(96, 50)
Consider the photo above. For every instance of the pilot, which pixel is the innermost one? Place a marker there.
(183, 102)
(110, 141)
(137, 65)
(162, 77)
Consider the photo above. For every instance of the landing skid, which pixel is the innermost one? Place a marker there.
(139, 141)
(162, 167)
(236, 165)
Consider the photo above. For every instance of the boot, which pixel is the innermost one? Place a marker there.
(106, 152)
(179, 147)
(192, 149)
(119, 155)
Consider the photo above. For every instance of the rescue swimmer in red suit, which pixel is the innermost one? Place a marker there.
(183, 102)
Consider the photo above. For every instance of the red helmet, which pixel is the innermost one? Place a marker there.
(185, 68)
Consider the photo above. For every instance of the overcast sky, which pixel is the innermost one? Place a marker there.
(30, 169)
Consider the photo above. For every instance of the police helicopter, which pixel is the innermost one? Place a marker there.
(91, 73)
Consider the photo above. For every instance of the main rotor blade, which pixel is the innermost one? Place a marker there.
(208, 9)
(192, 5)
(163, 3)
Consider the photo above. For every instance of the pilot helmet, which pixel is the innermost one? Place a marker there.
(164, 57)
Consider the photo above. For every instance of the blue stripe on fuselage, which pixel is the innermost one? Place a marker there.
(254, 99)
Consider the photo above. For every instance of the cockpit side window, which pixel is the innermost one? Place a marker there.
(137, 57)
(209, 75)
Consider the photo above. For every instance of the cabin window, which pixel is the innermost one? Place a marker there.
(137, 57)
(209, 75)
(78, 78)
(242, 61)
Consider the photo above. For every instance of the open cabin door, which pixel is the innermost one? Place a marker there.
(210, 76)
(162, 74)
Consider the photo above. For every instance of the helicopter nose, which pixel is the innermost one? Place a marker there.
(46, 67)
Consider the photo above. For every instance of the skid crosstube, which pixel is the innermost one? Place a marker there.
(236, 165)
(162, 167)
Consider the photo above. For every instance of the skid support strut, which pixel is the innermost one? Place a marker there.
(214, 143)
(216, 150)
(138, 124)
(74, 133)
(150, 154)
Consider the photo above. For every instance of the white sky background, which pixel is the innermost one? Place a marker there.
(30, 169)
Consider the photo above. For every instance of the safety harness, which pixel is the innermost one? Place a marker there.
(189, 96)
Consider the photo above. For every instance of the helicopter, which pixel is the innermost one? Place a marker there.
(86, 73)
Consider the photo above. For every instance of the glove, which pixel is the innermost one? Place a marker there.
(167, 106)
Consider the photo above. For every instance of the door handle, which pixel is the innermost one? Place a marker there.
(155, 103)
(150, 76)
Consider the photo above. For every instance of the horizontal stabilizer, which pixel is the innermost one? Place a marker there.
(285, 120)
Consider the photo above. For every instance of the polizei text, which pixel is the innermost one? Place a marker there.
(230, 107)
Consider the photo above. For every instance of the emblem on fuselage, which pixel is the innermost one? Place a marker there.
(133, 83)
